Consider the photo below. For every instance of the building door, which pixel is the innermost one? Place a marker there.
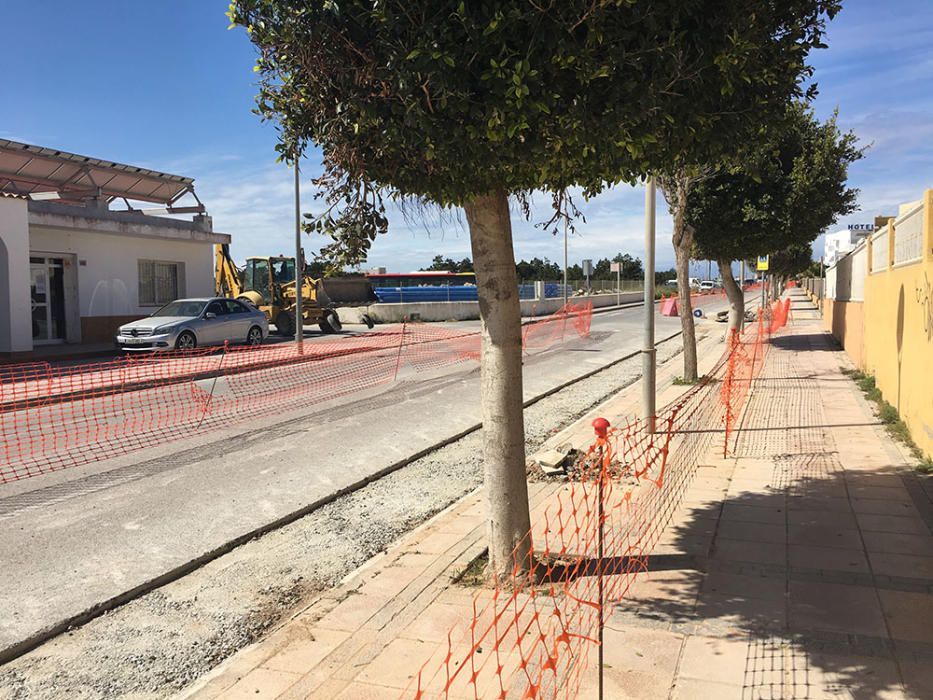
(47, 290)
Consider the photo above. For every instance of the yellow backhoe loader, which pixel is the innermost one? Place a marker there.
(269, 285)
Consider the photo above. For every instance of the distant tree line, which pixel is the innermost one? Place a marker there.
(545, 270)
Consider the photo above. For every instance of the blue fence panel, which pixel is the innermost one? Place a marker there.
(526, 291)
(414, 295)
(552, 290)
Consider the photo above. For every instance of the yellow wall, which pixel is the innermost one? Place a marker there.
(898, 337)
(846, 321)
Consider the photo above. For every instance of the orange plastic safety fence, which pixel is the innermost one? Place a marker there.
(533, 637)
(571, 319)
(746, 358)
(54, 417)
(780, 311)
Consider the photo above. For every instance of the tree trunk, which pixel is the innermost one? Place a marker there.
(683, 246)
(676, 187)
(509, 522)
(735, 294)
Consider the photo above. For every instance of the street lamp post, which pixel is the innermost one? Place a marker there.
(299, 271)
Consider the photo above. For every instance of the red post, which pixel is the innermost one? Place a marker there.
(601, 426)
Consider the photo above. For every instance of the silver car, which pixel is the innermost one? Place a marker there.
(187, 323)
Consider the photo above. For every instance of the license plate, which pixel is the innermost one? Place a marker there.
(135, 341)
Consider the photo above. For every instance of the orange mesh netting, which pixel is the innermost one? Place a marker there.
(573, 319)
(746, 356)
(534, 637)
(54, 417)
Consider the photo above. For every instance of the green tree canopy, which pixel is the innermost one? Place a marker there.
(631, 268)
(790, 261)
(538, 269)
(448, 100)
(440, 263)
(783, 191)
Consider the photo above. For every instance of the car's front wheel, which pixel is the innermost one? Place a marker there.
(186, 341)
(254, 337)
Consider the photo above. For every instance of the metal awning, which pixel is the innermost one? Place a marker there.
(47, 173)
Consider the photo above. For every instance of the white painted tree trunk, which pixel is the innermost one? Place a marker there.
(509, 522)
(735, 294)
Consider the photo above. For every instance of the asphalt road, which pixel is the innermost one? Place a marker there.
(72, 539)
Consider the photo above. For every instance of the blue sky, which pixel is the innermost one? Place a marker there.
(165, 85)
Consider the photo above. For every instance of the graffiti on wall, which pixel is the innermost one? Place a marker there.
(924, 294)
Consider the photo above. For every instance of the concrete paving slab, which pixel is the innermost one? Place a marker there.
(713, 659)
(827, 559)
(909, 615)
(836, 608)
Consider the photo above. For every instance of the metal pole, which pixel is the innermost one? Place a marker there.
(648, 352)
(742, 287)
(709, 269)
(601, 426)
(822, 285)
(565, 262)
(299, 271)
(619, 284)
(600, 571)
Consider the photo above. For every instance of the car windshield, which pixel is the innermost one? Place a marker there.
(181, 308)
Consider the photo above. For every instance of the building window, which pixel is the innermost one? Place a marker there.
(159, 282)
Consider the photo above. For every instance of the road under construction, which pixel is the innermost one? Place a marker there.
(86, 538)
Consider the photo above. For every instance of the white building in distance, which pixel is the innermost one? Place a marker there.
(837, 244)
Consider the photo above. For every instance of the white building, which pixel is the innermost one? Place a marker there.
(71, 268)
(842, 242)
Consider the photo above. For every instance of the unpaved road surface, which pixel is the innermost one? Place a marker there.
(162, 641)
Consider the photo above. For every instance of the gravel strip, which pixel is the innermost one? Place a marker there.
(161, 642)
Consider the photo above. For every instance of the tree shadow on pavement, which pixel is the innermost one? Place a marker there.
(823, 576)
(800, 341)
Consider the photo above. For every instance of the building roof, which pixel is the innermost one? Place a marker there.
(35, 170)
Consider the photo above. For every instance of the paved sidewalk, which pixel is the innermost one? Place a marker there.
(804, 569)
(813, 556)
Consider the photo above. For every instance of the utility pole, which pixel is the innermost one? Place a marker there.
(299, 266)
(619, 283)
(648, 352)
(565, 262)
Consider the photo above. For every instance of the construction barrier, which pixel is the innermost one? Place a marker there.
(54, 417)
(573, 319)
(668, 306)
(535, 635)
(746, 358)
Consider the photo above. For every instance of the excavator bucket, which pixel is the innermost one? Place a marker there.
(346, 291)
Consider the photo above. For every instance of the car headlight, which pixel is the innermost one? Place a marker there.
(159, 330)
